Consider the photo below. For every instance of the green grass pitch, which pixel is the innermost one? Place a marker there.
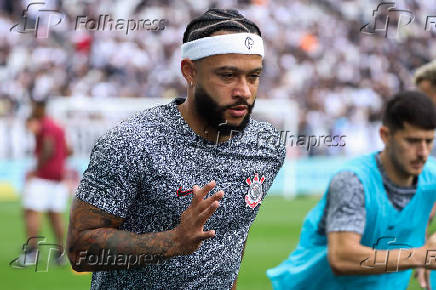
(274, 234)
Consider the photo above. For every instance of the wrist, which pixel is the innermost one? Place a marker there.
(174, 249)
(419, 257)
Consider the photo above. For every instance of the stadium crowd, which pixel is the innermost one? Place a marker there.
(315, 55)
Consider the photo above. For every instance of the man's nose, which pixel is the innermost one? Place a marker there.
(423, 149)
(242, 88)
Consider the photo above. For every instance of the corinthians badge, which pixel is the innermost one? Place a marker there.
(255, 193)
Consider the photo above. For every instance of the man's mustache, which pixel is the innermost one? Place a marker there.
(241, 102)
(421, 160)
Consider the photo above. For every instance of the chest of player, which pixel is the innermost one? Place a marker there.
(173, 171)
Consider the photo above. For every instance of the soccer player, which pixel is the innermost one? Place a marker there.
(368, 230)
(44, 189)
(425, 79)
(169, 195)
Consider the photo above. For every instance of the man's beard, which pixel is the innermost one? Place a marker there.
(213, 114)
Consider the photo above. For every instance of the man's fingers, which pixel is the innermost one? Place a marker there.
(207, 213)
(207, 187)
(422, 276)
(207, 235)
(427, 279)
(205, 204)
(200, 193)
(196, 198)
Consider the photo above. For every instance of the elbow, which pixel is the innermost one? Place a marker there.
(77, 258)
(78, 261)
(339, 266)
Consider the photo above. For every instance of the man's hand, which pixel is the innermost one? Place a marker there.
(430, 244)
(30, 175)
(423, 277)
(429, 252)
(92, 230)
(189, 233)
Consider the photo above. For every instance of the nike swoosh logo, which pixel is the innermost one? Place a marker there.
(181, 192)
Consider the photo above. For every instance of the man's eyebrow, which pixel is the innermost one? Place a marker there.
(235, 69)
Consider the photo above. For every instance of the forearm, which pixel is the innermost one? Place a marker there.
(368, 261)
(110, 249)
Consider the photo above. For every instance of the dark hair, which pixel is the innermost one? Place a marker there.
(218, 20)
(38, 108)
(412, 107)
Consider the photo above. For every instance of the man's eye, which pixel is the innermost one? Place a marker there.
(227, 75)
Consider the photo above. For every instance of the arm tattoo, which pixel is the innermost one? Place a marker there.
(95, 243)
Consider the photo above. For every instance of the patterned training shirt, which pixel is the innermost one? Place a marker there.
(136, 171)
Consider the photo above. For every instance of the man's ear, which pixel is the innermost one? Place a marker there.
(385, 134)
(188, 69)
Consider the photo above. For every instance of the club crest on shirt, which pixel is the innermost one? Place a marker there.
(255, 192)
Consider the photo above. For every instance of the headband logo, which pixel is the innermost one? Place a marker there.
(249, 42)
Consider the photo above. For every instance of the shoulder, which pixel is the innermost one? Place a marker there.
(345, 180)
(51, 127)
(139, 130)
(431, 164)
(266, 139)
(362, 166)
(346, 190)
(430, 169)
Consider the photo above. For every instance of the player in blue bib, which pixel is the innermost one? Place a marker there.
(368, 230)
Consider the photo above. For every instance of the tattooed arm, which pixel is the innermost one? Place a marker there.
(95, 243)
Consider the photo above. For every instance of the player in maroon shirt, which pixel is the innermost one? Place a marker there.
(45, 190)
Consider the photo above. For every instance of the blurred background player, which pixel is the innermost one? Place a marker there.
(378, 201)
(45, 190)
(425, 79)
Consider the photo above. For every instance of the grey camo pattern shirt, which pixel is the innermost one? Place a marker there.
(134, 172)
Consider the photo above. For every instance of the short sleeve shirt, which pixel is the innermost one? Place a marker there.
(54, 167)
(142, 171)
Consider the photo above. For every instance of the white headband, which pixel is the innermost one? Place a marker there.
(242, 43)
